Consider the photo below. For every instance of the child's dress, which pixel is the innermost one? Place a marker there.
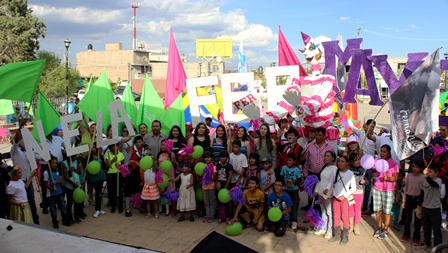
(187, 199)
(17, 189)
(150, 190)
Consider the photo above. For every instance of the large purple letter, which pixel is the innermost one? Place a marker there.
(360, 59)
(332, 50)
(380, 63)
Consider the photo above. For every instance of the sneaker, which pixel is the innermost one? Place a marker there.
(423, 246)
(102, 212)
(415, 242)
(445, 226)
(320, 232)
(328, 236)
(405, 239)
(356, 230)
(128, 213)
(211, 220)
(377, 233)
(294, 225)
(383, 235)
(96, 214)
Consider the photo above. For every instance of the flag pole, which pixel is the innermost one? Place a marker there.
(374, 118)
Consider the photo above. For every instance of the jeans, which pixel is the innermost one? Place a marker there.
(367, 189)
(77, 210)
(294, 195)
(45, 201)
(57, 202)
(327, 214)
(411, 203)
(210, 202)
(432, 220)
(32, 203)
(114, 184)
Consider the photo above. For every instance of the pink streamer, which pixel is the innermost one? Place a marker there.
(208, 174)
(169, 144)
(124, 171)
(159, 177)
(255, 124)
(136, 200)
(315, 219)
(186, 150)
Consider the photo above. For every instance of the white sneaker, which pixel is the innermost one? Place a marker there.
(320, 232)
(96, 214)
(328, 236)
(444, 226)
(294, 225)
(102, 212)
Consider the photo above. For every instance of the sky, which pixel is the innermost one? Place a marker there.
(395, 28)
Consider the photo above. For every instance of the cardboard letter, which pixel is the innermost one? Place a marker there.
(32, 146)
(68, 133)
(115, 119)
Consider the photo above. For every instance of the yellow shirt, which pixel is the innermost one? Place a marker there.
(113, 166)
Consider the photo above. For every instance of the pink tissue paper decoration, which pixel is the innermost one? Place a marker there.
(169, 144)
(255, 124)
(208, 174)
(186, 150)
(124, 171)
(315, 219)
(309, 184)
(136, 200)
(236, 194)
(159, 176)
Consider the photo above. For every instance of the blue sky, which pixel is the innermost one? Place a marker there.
(393, 27)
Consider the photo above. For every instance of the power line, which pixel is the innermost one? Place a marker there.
(402, 38)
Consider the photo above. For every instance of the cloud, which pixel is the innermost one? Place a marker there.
(413, 27)
(345, 19)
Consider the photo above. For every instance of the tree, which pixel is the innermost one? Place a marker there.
(52, 82)
(20, 32)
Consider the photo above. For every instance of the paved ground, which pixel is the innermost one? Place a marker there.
(167, 235)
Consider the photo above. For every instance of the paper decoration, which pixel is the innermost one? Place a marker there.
(32, 146)
(69, 133)
(117, 106)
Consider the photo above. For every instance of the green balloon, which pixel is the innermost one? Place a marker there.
(79, 195)
(164, 184)
(94, 167)
(198, 152)
(146, 163)
(199, 168)
(198, 194)
(166, 166)
(234, 229)
(274, 214)
(224, 195)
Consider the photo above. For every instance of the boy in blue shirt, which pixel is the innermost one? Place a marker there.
(292, 178)
(279, 199)
(53, 182)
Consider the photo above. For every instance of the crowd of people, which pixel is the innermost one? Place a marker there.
(270, 164)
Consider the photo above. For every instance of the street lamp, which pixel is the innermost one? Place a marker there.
(446, 58)
(200, 69)
(67, 45)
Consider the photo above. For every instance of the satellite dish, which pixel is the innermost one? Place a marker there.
(218, 59)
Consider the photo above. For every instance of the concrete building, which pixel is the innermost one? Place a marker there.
(125, 64)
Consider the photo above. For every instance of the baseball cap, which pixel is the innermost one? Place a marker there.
(352, 139)
(208, 116)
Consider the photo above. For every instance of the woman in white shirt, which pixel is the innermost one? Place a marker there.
(326, 182)
(344, 187)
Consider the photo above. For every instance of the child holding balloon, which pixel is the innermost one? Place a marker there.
(279, 199)
(384, 177)
(187, 198)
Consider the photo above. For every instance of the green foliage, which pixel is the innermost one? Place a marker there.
(20, 32)
(52, 82)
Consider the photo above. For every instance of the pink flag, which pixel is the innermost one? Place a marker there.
(176, 77)
(286, 55)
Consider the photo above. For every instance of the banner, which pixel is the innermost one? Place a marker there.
(413, 112)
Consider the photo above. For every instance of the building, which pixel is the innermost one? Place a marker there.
(125, 64)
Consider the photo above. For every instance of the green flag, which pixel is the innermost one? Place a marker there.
(6, 107)
(443, 97)
(18, 80)
(174, 116)
(49, 116)
(151, 105)
(88, 85)
(129, 103)
(98, 98)
(30, 109)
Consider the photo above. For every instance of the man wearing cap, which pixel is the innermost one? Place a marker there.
(367, 145)
(208, 123)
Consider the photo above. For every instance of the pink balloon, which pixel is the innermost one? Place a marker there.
(381, 165)
(367, 161)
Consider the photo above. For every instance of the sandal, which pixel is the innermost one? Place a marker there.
(181, 219)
